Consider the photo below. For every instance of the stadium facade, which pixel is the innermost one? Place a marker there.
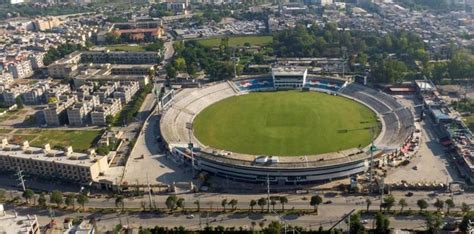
(397, 129)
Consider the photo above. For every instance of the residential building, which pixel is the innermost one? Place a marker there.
(66, 67)
(55, 113)
(111, 106)
(18, 224)
(120, 57)
(126, 91)
(47, 162)
(36, 60)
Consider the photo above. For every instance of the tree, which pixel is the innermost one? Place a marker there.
(283, 201)
(381, 223)
(402, 203)
(70, 200)
(450, 204)
(388, 202)
(463, 226)
(56, 197)
(233, 203)
(368, 202)
(433, 222)
(262, 202)
(180, 64)
(252, 204)
(422, 204)
(119, 202)
(82, 200)
(19, 103)
(42, 200)
(274, 228)
(170, 71)
(465, 208)
(273, 203)
(315, 201)
(356, 225)
(438, 204)
(180, 203)
(28, 194)
(2, 194)
(171, 202)
(224, 203)
(198, 205)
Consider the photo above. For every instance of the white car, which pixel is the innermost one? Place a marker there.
(191, 216)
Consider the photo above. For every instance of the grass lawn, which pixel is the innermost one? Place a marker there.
(239, 41)
(289, 123)
(80, 140)
(125, 47)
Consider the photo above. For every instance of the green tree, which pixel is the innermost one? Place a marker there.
(463, 226)
(433, 222)
(262, 202)
(42, 200)
(388, 202)
(171, 202)
(438, 204)
(403, 203)
(120, 202)
(180, 203)
(3, 193)
(19, 103)
(356, 225)
(450, 204)
(82, 200)
(252, 204)
(224, 203)
(368, 202)
(422, 204)
(273, 228)
(273, 203)
(28, 194)
(170, 71)
(381, 223)
(180, 64)
(465, 208)
(283, 201)
(315, 201)
(56, 197)
(233, 203)
(70, 200)
(198, 205)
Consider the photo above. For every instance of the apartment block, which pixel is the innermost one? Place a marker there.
(126, 91)
(78, 114)
(111, 106)
(20, 69)
(19, 224)
(66, 67)
(10, 94)
(36, 60)
(47, 162)
(56, 91)
(55, 114)
(120, 57)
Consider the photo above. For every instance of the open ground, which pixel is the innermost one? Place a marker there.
(239, 41)
(285, 124)
(80, 140)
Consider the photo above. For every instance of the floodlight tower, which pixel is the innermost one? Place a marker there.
(235, 60)
(189, 126)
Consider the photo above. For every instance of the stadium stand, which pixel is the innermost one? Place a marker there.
(249, 85)
(322, 84)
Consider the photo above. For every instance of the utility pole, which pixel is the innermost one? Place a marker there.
(268, 193)
(189, 126)
(20, 176)
(149, 191)
(234, 60)
(372, 148)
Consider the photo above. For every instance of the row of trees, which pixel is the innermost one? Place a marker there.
(62, 50)
(389, 202)
(130, 111)
(27, 10)
(192, 57)
(56, 197)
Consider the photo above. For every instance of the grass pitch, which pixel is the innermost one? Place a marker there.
(289, 123)
(239, 41)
